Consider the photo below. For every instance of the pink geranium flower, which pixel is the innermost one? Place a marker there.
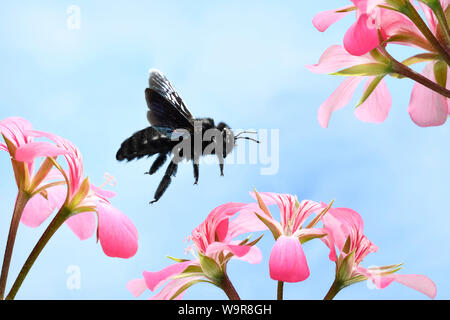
(372, 21)
(377, 101)
(345, 231)
(426, 107)
(35, 183)
(214, 244)
(33, 186)
(376, 22)
(362, 36)
(82, 202)
(287, 261)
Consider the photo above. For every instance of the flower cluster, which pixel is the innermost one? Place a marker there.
(215, 244)
(364, 57)
(84, 207)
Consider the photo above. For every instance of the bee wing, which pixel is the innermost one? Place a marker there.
(166, 108)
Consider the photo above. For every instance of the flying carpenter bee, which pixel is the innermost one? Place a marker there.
(170, 119)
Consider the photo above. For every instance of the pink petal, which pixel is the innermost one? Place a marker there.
(377, 106)
(339, 99)
(222, 230)
(253, 256)
(380, 282)
(287, 260)
(340, 223)
(14, 128)
(83, 225)
(396, 23)
(426, 107)
(269, 198)
(73, 157)
(310, 232)
(305, 209)
(36, 211)
(206, 232)
(224, 247)
(39, 208)
(362, 36)
(105, 194)
(289, 212)
(361, 4)
(137, 287)
(118, 235)
(30, 151)
(155, 279)
(323, 20)
(417, 282)
(285, 202)
(336, 58)
(3, 147)
(430, 17)
(172, 288)
(246, 222)
(330, 243)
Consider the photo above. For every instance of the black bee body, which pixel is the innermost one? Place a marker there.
(168, 115)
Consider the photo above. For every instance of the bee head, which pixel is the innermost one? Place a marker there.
(228, 138)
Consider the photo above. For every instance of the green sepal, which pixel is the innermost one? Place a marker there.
(353, 280)
(350, 9)
(187, 286)
(368, 69)
(305, 239)
(418, 58)
(262, 205)
(440, 72)
(319, 216)
(242, 243)
(190, 271)
(176, 259)
(345, 269)
(81, 194)
(193, 269)
(19, 168)
(211, 269)
(272, 227)
(432, 4)
(40, 175)
(400, 5)
(346, 248)
(372, 86)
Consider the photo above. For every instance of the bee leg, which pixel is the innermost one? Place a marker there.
(162, 157)
(196, 172)
(221, 162)
(165, 182)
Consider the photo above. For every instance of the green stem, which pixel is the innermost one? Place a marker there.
(57, 221)
(334, 290)
(404, 70)
(21, 202)
(442, 19)
(229, 289)
(415, 17)
(410, 73)
(280, 288)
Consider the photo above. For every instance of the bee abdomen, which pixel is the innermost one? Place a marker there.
(146, 142)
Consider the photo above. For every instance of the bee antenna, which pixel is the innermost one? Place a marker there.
(249, 132)
(247, 138)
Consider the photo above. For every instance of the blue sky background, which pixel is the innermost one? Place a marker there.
(242, 63)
